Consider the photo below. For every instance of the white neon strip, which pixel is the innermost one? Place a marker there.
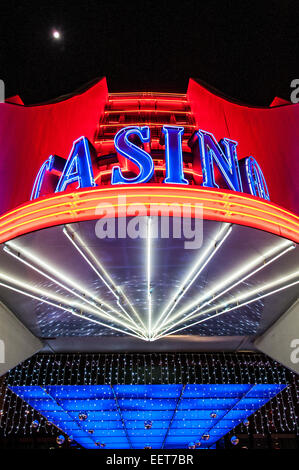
(42, 273)
(286, 246)
(114, 289)
(228, 310)
(237, 301)
(59, 275)
(63, 300)
(68, 310)
(71, 236)
(202, 261)
(149, 263)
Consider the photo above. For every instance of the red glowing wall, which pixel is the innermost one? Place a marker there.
(271, 135)
(29, 134)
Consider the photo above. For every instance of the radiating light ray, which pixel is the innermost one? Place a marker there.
(236, 300)
(94, 303)
(54, 272)
(228, 310)
(42, 273)
(149, 274)
(62, 300)
(202, 261)
(53, 304)
(102, 274)
(286, 246)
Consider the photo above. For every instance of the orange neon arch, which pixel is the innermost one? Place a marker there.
(220, 205)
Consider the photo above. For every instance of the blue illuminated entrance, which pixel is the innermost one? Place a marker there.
(177, 414)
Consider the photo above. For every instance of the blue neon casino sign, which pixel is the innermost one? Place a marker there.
(218, 162)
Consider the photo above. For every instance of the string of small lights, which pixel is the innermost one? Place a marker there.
(74, 373)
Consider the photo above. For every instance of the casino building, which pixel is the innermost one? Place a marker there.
(149, 271)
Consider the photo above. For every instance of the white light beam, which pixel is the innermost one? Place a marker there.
(235, 300)
(62, 300)
(94, 303)
(202, 261)
(67, 309)
(264, 260)
(148, 271)
(102, 274)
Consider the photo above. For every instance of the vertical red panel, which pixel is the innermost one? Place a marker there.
(29, 134)
(268, 134)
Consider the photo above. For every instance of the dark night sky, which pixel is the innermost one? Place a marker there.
(248, 50)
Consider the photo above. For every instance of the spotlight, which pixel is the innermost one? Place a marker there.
(56, 34)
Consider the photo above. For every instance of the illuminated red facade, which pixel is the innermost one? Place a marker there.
(29, 134)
